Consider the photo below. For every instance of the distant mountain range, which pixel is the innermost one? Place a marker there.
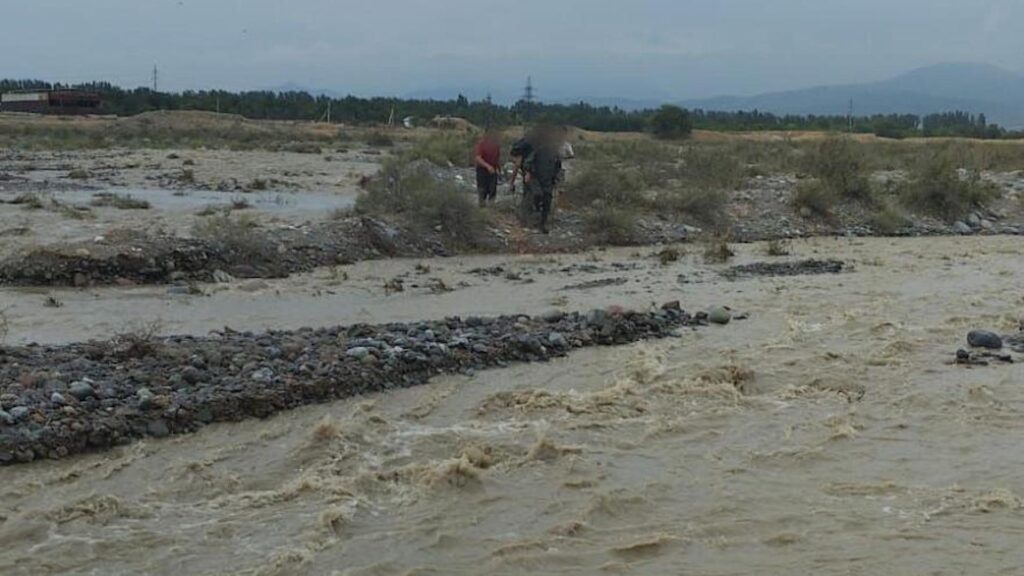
(976, 88)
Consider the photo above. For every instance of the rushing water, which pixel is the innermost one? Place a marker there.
(827, 434)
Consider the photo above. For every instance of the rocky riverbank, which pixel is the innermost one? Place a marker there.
(84, 397)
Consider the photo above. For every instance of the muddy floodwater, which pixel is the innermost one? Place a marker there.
(829, 433)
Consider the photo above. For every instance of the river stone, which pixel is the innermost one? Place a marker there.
(222, 277)
(158, 428)
(57, 399)
(984, 339)
(262, 375)
(359, 352)
(19, 413)
(719, 315)
(6, 417)
(553, 316)
(145, 398)
(973, 220)
(961, 228)
(81, 390)
(557, 340)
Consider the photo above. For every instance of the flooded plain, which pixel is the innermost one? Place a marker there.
(829, 433)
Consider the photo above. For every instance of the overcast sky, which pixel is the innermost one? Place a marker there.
(643, 49)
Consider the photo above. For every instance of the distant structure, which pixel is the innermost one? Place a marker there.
(69, 102)
(529, 93)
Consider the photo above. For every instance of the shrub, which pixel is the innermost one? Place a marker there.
(940, 186)
(137, 341)
(237, 239)
(379, 140)
(671, 123)
(414, 194)
(614, 225)
(839, 164)
(29, 201)
(603, 183)
(119, 201)
(887, 221)
(813, 199)
(712, 167)
(716, 249)
(302, 147)
(704, 204)
(442, 149)
(777, 247)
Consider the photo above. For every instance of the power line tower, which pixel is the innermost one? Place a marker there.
(155, 77)
(529, 93)
(849, 117)
(528, 99)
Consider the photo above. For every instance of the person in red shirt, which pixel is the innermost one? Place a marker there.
(487, 158)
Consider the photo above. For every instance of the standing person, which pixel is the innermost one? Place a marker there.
(487, 159)
(542, 172)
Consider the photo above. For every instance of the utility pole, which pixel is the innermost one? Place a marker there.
(328, 111)
(529, 95)
(849, 116)
(155, 85)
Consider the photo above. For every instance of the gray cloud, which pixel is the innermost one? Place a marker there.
(642, 49)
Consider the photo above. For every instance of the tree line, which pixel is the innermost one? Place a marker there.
(298, 105)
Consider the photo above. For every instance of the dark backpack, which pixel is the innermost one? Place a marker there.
(521, 148)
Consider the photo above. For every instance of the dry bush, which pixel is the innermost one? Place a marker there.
(839, 165)
(709, 167)
(777, 247)
(613, 225)
(29, 201)
(237, 239)
(888, 219)
(137, 341)
(716, 248)
(379, 140)
(703, 204)
(442, 149)
(813, 199)
(414, 194)
(944, 184)
(602, 184)
(119, 201)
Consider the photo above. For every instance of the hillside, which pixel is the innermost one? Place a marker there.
(976, 88)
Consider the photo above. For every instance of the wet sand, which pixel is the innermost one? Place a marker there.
(828, 434)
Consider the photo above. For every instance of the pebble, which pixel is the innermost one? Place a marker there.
(158, 428)
(57, 399)
(553, 316)
(6, 417)
(145, 398)
(719, 315)
(19, 413)
(557, 340)
(81, 390)
(962, 228)
(985, 339)
(359, 352)
(262, 375)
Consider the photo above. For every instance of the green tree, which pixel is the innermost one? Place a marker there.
(671, 123)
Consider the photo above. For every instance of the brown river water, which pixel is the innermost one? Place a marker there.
(828, 434)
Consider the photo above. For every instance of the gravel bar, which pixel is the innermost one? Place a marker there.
(85, 397)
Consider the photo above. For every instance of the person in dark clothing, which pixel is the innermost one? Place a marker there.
(542, 171)
(487, 159)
